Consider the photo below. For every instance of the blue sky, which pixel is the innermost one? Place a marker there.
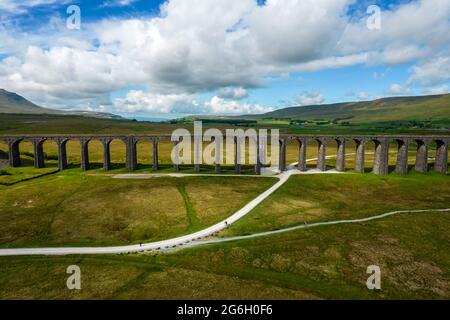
(223, 56)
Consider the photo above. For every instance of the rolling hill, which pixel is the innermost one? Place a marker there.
(13, 103)
(420, 108)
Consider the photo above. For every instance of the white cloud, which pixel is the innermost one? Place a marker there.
(117, 3)
(221, 106)
(138, 101)
(22, 6)
(233, 93)
(438, 90)
(397, 89)
(311, 98)
(432, 72)
(362, 96)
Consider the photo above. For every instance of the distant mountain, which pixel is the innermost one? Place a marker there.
(11, 102)
(436, 107)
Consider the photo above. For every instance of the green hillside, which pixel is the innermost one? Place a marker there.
(423, 108)
(13, 103)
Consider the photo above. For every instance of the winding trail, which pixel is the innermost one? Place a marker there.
(312, 225)
(193, 239)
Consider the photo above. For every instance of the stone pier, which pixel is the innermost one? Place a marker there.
(401, 166)
(155, 164)
(340, 158)
(282, 164)
(38, 153)
(62, 153)
(84, 143)
(302, 142)
(14, 152)
(322, 154)
(131, 154)
(381, 157)
(421, 156)
(441, 162)
(106, 154)
(360, 155)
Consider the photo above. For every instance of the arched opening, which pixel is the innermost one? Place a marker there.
(292, 151)
(96, 154)
(312, 147)
(118, 152)
(350, 154)
(50, 149)
(369, 155)
(4, 155)
(26, 150)
(144, 150)
(73, 152)
(164, 153)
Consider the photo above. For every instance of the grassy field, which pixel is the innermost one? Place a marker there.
(322, 263)
(315, 198)
(72, 208)
(57, 124)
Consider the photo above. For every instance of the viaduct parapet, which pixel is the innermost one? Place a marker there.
(380, 164)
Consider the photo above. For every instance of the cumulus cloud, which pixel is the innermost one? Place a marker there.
(362, 96)
(397, 89)
(141, 101)
(311, 98)
(233, 93)
(221, 106)
(432, 72)
(438, 90)
(22, 6)
(117, 3)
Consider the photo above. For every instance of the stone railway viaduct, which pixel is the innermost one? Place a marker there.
(380, 165)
